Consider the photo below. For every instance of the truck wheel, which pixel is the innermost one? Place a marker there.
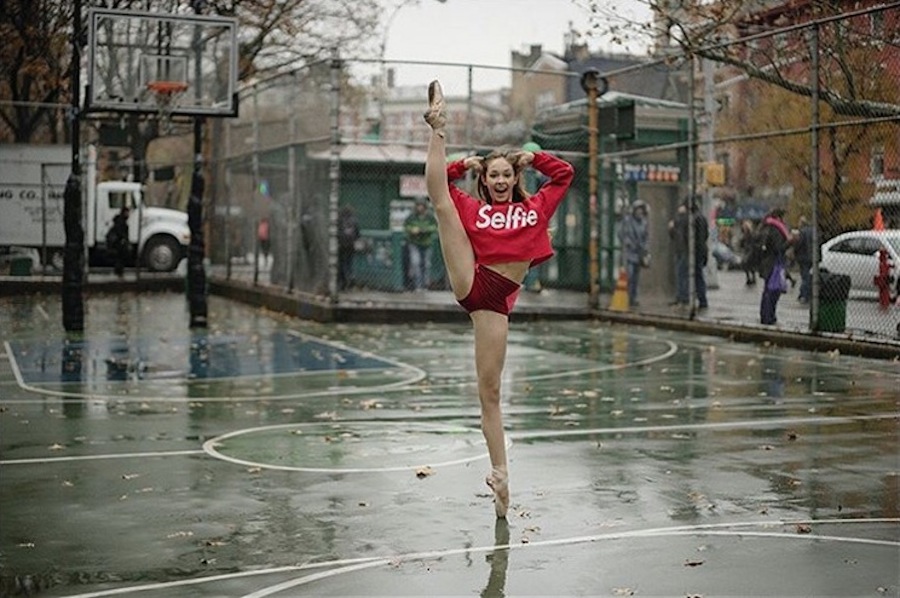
(162, 254)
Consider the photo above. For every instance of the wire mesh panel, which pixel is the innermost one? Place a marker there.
(801, 119)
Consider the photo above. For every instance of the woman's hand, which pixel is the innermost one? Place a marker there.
(475, 163)
(525, 158)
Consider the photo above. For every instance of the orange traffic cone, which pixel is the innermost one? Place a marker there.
(619, 300)
(878, 221)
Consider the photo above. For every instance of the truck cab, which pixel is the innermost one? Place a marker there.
(158, 236)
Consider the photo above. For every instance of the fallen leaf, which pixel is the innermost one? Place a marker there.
(690, 563)
(424, 472)
(802, 528)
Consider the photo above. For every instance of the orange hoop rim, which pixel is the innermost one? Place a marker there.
(167, 88)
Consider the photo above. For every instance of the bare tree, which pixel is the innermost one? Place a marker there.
(35, 56)
(723, 31)
(34, 69)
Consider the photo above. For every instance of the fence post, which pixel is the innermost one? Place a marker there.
(255, 166)
(334, 167)
(814, 177)
(292, 183)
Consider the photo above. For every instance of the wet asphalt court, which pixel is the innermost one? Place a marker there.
(269, 456)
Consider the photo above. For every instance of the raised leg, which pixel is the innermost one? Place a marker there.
(456, 248)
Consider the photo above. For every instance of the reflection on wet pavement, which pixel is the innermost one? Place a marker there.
(274, 456)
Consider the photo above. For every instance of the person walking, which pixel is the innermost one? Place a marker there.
(420, 227)
(774, 241)
(746, 245)
(262, 235)
(489, 242)
(634, 239)
(679, 233)
(803, 255)
(117, 240)
(348, 233)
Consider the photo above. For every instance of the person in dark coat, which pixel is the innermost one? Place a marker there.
(803, 254)
(775, 239)
(679, 234)
(117, 240)
(348, 233)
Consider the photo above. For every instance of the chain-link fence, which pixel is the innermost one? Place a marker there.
(336, 168)
(312, 185)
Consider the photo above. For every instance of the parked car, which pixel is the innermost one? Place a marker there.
(856, 255)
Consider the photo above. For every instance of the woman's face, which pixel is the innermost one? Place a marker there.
(500, 178)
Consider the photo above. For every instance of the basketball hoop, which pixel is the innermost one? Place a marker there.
(166, 94)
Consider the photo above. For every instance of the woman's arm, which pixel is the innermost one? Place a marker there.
(560, 174)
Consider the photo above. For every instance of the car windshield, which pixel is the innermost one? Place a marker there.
(894, 242)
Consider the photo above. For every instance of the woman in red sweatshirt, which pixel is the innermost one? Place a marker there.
(488, 244)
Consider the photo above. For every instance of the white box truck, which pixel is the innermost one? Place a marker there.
(32, 183)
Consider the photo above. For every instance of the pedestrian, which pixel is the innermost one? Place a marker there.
(634, 238)
(420, 228)
(348, 233)
(803, 255)
(489, 241)
(746, 246)
(679, 232)
(262, 234)
(117, 240)
(774, 241)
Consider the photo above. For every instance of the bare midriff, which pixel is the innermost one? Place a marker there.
(512, 270)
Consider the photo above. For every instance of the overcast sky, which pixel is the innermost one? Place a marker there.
(484, 32)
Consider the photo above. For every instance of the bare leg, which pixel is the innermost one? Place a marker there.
(491, 332)
(456, 248)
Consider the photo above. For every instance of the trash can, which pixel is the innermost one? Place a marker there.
(20, 266)
(834, 289)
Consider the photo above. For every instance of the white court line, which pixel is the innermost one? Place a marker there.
(100, 457)
(416, 375)
(210, 447)
(341, 566)
(43, 312)
(400, 386)
(737, 425)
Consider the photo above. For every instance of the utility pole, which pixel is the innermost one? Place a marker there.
(595, 86)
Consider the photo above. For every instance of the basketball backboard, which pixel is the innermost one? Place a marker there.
(172, 64)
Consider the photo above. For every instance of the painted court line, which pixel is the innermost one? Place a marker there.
(343, 566)
(209, 447)
(45, 460)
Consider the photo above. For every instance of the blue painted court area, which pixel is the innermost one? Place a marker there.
(54, 360)
(270, 456)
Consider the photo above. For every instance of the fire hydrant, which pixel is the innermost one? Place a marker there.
(883, 280)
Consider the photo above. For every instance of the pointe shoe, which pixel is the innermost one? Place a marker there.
(498, 481)
(435, 116)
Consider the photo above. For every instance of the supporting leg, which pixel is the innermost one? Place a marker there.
(491, 332)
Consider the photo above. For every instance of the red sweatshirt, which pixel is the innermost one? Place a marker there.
(513, 232)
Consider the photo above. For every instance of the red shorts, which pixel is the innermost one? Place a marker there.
(491, 291)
